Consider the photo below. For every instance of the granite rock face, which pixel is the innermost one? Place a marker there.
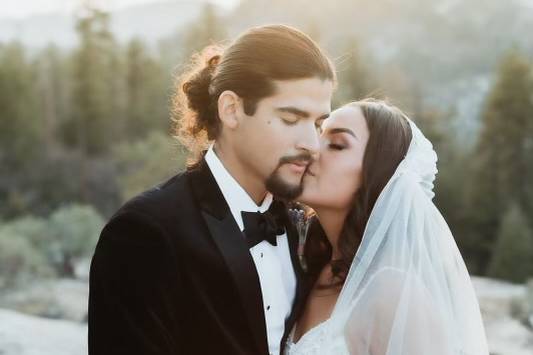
(507, 311)
(22, 334)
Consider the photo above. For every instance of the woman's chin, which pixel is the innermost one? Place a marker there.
(308, 192)
(306, 197)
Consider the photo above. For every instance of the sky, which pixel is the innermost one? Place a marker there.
(25, 8)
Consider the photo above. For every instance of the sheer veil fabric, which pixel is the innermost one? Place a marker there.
(408, 291)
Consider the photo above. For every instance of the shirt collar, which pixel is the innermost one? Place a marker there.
(236, 197)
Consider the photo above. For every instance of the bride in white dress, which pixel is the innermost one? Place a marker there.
(386, 276)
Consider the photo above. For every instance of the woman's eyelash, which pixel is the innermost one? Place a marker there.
(336, 146)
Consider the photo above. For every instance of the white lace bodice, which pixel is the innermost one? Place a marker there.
(315, 342)
(309, 343)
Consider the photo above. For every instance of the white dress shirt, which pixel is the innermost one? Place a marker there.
(273, 263)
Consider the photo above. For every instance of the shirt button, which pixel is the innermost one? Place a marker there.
(268, 307)
(261, 254)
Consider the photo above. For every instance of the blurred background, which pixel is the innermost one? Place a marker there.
(85, 89)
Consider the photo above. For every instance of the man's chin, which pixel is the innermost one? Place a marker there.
(293, 180)
(287, 189)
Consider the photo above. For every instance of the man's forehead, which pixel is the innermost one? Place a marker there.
(312, 96)
(306, 86)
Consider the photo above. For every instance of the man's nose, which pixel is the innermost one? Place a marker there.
(309, 140)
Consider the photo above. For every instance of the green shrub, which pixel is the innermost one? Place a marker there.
(74, 231)
(20, 261)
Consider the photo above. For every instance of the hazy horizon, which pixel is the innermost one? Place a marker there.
(26, 8)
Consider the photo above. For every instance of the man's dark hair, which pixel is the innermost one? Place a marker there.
(247, 67)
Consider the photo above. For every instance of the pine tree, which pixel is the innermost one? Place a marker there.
(209, 28)
(355, 81)
(96, 120)
(20, 127)
(53, 93)
(19, 123)
(512, 257)
(502, 161)
(146, 92)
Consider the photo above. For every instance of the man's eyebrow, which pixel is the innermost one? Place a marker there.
(342, 130)
(294, 111)
(300, 113)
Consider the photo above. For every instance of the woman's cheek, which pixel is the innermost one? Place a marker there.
(347, 185)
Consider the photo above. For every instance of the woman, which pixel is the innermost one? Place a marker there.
(386, 274)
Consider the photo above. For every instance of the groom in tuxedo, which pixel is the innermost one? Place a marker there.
(206, 262)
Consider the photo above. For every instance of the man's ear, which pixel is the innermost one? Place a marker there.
(230, 109)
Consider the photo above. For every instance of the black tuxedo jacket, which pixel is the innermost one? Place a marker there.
(172, 274)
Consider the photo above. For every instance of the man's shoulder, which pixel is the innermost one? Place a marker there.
(160, 200)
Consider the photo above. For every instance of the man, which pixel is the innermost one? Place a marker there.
(206, 263)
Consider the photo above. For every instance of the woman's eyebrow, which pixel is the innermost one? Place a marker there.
(342, 130)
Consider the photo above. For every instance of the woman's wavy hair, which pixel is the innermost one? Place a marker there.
(389, 140)
(247, 67)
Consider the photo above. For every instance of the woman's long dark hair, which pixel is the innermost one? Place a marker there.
(389, 139)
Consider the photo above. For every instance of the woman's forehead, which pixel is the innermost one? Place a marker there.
(345, 117)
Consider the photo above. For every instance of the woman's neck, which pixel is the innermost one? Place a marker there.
(332, 222)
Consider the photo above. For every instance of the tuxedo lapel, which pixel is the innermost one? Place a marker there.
(232, 245)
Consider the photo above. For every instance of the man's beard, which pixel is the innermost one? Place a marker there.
(282, 189)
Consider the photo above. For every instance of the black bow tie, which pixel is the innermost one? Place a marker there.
(263, 226)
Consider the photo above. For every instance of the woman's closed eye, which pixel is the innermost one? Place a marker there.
(335, 146)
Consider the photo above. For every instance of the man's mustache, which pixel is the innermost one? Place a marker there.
(301, 158)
